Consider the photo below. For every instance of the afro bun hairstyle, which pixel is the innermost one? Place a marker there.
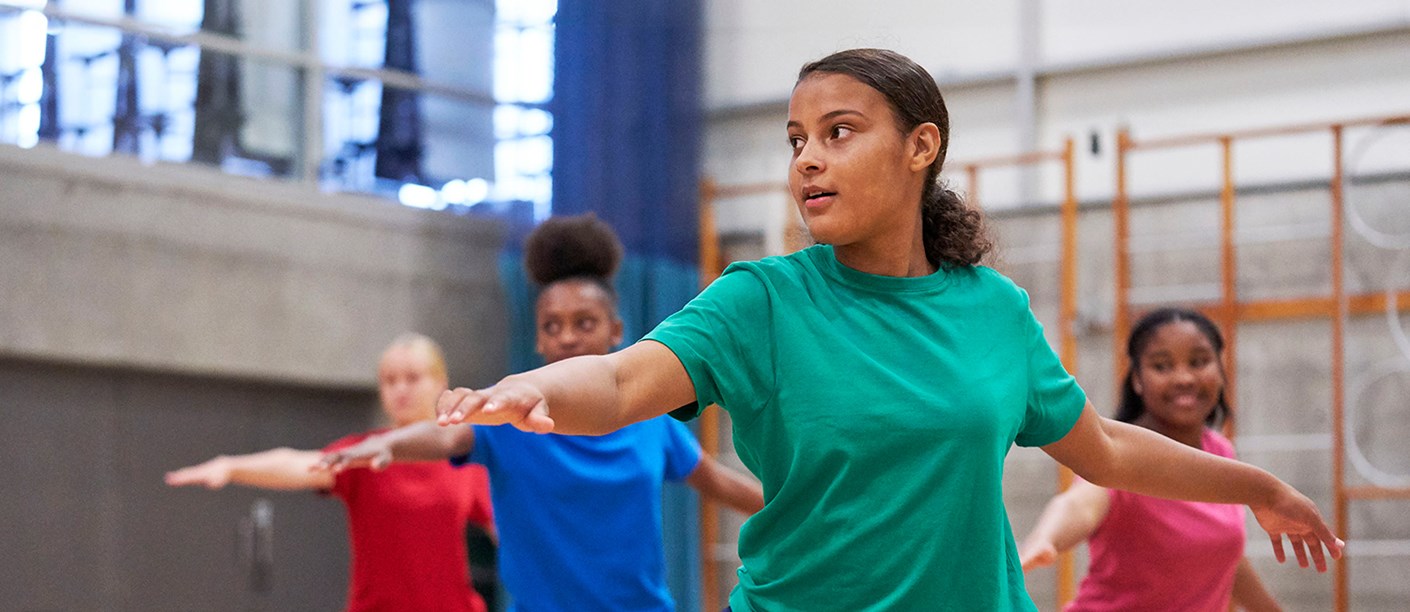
(580, 246)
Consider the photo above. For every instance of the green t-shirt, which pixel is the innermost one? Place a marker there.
(877, 412)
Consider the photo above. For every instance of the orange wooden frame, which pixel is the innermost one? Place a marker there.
(1337, 307)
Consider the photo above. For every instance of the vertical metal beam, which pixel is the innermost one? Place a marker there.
(1228, 277)
(1026, 93)
(1341, 579)
(311, 151)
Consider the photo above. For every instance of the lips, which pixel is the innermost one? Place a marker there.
(814, 197)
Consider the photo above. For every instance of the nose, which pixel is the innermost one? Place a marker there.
(808, 161)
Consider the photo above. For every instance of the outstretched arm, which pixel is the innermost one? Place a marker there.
(1249, 592)
(590, 395)
(424, 441)
(280, 468)
(1069, 518)
(1122, 456)
(726, 486)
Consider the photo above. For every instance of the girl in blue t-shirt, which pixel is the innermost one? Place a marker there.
(876, 380)
(578, 517)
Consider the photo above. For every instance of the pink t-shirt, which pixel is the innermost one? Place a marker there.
(1160, 554)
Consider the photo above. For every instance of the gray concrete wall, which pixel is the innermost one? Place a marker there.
(111, 262)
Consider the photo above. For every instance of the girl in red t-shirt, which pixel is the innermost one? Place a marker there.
(407, 523)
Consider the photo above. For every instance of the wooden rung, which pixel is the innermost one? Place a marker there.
(1372, 492)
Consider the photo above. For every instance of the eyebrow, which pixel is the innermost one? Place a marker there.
(837, 113)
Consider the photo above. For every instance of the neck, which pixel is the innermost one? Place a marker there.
(891, 253)
(1189, 436)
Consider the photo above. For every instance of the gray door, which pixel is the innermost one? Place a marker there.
(89, 525)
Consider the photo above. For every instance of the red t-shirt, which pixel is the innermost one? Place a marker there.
(407, 525)
(1161, 554)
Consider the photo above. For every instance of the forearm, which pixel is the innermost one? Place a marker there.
(279, 468)
(427, 441)
(583, 394)
(725, 486)
(1146, 462)
(1069, 519)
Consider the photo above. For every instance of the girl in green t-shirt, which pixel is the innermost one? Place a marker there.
(877, 380)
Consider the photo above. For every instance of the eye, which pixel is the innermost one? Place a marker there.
(552, 328)
(587, 325)
(795, 142)
(840, 131)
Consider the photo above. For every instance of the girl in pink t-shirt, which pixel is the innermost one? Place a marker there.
(1149, 553)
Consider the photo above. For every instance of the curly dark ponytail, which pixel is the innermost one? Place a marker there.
(954, 234)
(580, 247)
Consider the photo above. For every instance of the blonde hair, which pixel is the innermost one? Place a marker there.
(413, 340)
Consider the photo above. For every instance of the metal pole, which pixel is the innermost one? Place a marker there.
(311, 151)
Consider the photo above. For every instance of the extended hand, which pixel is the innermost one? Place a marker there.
(515, 403)
(213, 474)
(1037, 555)
(370, 453)
(1291, 514)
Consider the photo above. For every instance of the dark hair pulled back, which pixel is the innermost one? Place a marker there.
(954, 234)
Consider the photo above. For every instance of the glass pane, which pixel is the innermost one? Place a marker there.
(380, 139)
(102, 93)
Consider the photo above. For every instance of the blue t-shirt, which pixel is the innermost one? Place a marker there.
(579, 517)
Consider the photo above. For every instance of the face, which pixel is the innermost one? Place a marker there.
(855, 176)
(574, 318)
(409, 383)
(1179, 377)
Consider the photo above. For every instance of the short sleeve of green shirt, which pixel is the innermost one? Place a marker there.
(723, 339)
(1055, 401)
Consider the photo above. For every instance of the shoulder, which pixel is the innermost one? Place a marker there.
(991, 282)
(796, 265)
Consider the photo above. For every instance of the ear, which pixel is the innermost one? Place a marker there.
(616, 331)
(924, 143)
(1136, 383)
(538, 343)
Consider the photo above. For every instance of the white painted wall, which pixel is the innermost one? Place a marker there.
(1160, 69)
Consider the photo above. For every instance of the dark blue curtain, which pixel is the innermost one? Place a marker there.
(626, 140)
(399, 145)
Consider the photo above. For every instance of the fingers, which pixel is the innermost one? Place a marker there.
(519, 405)
(381, 461)
(1278, 552)
(1314, 547)
(456, 405)
(537, 421)
(327, 463)
(1299, 549)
